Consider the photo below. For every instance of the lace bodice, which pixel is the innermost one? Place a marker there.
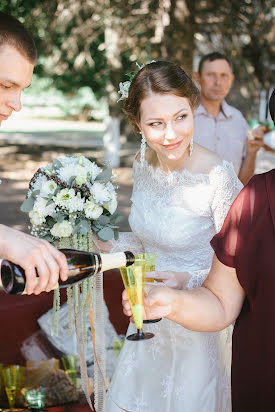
(176, 215)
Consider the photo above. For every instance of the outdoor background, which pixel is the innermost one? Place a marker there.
(86, 47)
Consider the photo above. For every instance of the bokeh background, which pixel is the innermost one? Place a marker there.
(86, 47)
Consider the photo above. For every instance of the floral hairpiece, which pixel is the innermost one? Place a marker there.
(125, 86)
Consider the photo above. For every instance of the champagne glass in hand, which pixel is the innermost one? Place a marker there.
(133, 278)
(150, 261)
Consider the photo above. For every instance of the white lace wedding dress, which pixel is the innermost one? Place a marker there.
(175, 216)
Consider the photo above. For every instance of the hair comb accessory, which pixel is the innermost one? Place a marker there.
(125, 86)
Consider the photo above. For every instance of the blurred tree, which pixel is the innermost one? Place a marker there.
(94, 43)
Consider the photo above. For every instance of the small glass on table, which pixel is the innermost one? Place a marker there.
(12, 377)
(133, 278)
(69, 363)
(150, 259)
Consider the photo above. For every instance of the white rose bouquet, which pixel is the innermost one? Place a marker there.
(72, 195)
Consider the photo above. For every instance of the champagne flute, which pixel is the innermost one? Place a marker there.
(12, 376)
(150, 260)
(133, 278)
(69, 363)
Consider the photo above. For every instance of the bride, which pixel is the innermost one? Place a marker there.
(181, 195)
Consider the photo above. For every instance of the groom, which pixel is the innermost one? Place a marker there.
(17, 58)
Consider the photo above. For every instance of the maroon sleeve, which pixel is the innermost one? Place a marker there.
(227, 243)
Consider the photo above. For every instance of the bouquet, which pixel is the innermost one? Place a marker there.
(72, 195)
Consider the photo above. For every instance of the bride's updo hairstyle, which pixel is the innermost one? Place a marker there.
(162, 78)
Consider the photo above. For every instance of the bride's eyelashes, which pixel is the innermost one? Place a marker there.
(156, 124)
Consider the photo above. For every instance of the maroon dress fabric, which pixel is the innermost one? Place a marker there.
(247, 243)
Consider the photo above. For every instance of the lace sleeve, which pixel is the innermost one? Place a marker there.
(197, 278)
(127, 241)
(226, 188)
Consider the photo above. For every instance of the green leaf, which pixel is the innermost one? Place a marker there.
(105, 175)
(49, 202)
(117, 218)
(102, 220)
(57, 190)
(35, 193)
(116, 234)
(105, 234)
(50, 221)
(60, 218)
(84, 226)
(49, 238)
(57, 163)
(71, 181)
(113, 226)
(27, 205)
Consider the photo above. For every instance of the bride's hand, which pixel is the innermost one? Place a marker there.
(175, 280)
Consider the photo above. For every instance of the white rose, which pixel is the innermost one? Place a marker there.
(41, 179)
(63, 229)
(100, 193)
(36, 218)
(81, 175)
(48, 187)
(66, 172)
(92, 210)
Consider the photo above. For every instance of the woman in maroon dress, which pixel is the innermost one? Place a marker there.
(240, 285)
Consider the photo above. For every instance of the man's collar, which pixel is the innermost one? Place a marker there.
(225, 110)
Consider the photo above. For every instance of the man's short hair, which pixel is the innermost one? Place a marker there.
(211, 57)
(14, 34)
(272, 105)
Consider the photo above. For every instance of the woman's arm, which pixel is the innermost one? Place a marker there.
(211, 307)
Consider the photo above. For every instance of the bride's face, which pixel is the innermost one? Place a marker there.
(167, 122)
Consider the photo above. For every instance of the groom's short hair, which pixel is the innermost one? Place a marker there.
(14, 34)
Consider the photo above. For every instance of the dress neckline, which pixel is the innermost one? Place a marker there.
(178, 174)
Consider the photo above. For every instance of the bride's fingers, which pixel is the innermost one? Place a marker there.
(158, 276)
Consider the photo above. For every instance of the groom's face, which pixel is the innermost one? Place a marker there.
(15, 75)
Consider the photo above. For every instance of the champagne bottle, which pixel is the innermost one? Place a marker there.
(81, 266)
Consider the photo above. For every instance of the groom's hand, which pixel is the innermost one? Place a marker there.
(33, 254)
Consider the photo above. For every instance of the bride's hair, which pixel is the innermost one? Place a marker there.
(159, 77)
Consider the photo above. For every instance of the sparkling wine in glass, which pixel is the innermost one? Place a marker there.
(12, 376)
(150, 259)
(69, 363)
(133, 278)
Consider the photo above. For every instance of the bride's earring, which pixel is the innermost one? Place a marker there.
(191, 146)
(142, 149)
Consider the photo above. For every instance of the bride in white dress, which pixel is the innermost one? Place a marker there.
(181, 195)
